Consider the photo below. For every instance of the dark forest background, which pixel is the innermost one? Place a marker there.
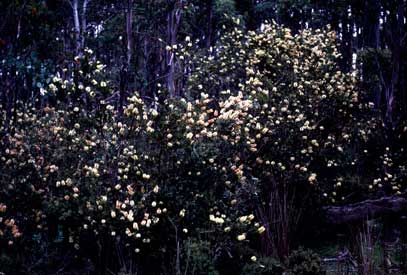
(130, 37)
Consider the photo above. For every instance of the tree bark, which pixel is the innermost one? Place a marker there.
(392, 205)
(129, 30)
(371, 28)
(84, 23)
(125, 71)
(173, 21)
(209, 12)
(75, 10)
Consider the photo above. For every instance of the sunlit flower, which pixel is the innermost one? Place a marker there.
(241, 237)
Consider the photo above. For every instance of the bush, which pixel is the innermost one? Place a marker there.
(267, 117)
(264, 266)
(304, 262)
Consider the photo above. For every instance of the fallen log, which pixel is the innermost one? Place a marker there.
(368, 209)
(342, 257)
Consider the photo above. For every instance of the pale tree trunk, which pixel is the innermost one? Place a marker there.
(124, 73)
(371, 40)
(129, 31)
(80, 24)
(173, 21)
(209, 27)
(347, 43)
(395, 37)
(75, 10)
(84, 23)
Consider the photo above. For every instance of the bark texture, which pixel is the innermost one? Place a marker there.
(392, 205)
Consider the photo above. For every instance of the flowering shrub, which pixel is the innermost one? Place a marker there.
(267, 119)
(90, 169)
(295, 126)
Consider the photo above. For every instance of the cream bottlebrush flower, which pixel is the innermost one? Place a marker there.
(56, 79)
(154, 112)
(312, 177)
(242, 219)
(130, 216)
(128, 232)
(43, 91)
(217, 220)
(53, 87)
(189, 135)
(212, 217)
(261, 229)
(241, 237)
(189, 106)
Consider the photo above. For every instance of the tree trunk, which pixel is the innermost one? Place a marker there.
(393, 205)
(371, 28)
(347, 42)
(77, 27)
(84, 23)
(209, 26)
(395, 40)
(173, 20)
(129, 30)
(125, 69)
